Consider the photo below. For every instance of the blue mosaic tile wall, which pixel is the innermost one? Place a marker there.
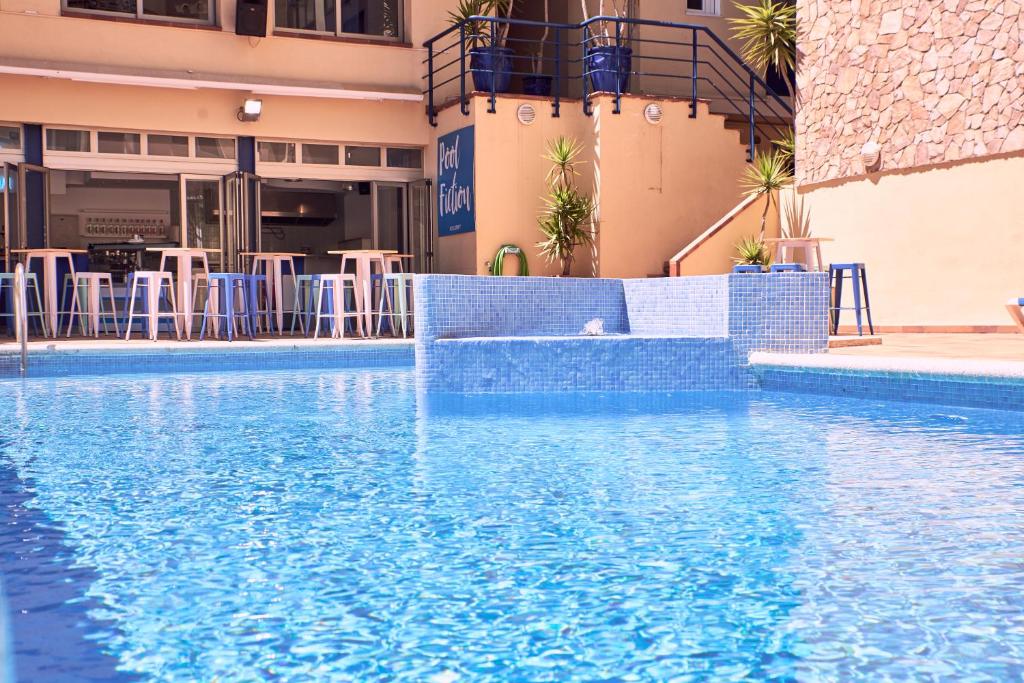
(951, 390)
(484, 334)
(134, 360)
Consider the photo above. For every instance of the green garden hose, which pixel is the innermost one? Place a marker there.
(498, 266)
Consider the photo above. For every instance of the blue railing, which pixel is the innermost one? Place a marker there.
(603, 54)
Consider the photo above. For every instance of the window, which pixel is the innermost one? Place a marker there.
(118, 143)
(708, 7)
(215, 148)
(381, 18)
(320, 154)
(167, 145)
(60, 140)
(405, 158)
(362, 156)
(276, 152)
(10, 137)
(188, 11)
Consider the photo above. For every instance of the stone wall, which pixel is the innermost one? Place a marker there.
(930, 81)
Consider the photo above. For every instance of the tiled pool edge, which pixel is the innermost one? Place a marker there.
(963, 383)
(68, 362)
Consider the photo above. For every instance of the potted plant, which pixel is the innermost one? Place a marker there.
(766, 175)
(752, 252)
(568, 212)
(489, 60)
(539, 83)
(608, 62)
(768, 30)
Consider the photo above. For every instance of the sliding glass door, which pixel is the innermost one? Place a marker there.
(201, 210)
(241, 218)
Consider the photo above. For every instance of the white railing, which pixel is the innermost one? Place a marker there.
(21, 315)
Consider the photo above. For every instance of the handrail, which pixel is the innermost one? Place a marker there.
(697, 63)
(21, 315)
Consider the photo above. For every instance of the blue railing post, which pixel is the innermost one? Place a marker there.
(557, 104)
(618, 67)
(463, 102)
(586, 71)
(431, 110)
(750, 152)
(693, 78)
(494, 68)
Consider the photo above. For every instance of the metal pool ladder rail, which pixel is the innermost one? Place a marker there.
(21, 315)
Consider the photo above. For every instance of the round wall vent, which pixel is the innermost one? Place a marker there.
(653, 113)
(526, 113)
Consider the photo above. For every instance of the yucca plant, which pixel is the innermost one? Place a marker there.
(768, 31)
(786, 147)
(766, 175)
(751, 252)
(567, 214)
(478, 32)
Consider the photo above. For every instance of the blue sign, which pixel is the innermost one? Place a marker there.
(456, 194)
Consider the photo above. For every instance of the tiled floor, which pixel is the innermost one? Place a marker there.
(960, 346)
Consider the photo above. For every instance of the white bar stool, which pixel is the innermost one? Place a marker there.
(397, 297)
(154, 281)
(334, 285)
(91, 314)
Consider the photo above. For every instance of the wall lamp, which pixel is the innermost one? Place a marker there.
(250, 110)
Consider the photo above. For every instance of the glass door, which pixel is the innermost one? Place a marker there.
(33, 181)
(389, 217)
(420, 231)
(201, 203)
(241, 218)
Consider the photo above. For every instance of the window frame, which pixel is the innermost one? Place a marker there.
(337, 32)
(714, 11)
(140, 14)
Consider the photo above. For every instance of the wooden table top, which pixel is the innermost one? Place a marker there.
(49, 251)
(183, 249)
(389, 252)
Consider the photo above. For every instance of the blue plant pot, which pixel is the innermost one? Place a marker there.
(608, 64)
(538, 84)
(492, 68)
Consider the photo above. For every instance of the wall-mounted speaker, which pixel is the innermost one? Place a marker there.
(251, 18)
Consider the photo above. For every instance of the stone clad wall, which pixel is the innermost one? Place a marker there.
(930, 81)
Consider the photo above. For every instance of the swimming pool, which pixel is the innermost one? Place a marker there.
(312, 525)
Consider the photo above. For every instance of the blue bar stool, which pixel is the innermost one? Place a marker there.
(747, 269)
(837, 272)
(255, 292)
(227, 293)
(788, 268)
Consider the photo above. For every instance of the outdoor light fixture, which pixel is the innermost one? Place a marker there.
(250, 110)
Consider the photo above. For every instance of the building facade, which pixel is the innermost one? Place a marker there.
(910, 153)
(129, 120)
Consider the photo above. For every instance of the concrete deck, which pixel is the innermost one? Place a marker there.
(1008, 347)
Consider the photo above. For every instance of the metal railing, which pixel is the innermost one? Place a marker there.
(643, 56)
(21, 315)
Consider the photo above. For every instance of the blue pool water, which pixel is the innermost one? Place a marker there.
(310, 526)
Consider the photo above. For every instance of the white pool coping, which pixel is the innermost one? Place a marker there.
(937, 367)
(170, 345)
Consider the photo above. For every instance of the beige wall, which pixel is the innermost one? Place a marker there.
(657, 186)
(942, 246)
(712, 253)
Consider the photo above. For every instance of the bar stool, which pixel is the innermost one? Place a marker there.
(253, 296)
(154, 282)
(837, 272)
(228, 296)
(397, 296)
(304, 302)
(332, 288)
(31, 283)
(90, 296)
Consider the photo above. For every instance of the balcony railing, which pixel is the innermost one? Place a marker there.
(660, 59)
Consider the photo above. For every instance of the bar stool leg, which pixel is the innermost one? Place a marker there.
(319, 307)
(867, 301)
(113, 305)
(855, 276)
(838, 301)
(174, 307)
(131, 309)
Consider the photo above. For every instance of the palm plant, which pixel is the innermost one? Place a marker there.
(768, 174)
(769, 32)
(751, 252)
(786, 146)
(567, 211)
(478, 32)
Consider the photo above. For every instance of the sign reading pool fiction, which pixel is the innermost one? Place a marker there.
(456, 200)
